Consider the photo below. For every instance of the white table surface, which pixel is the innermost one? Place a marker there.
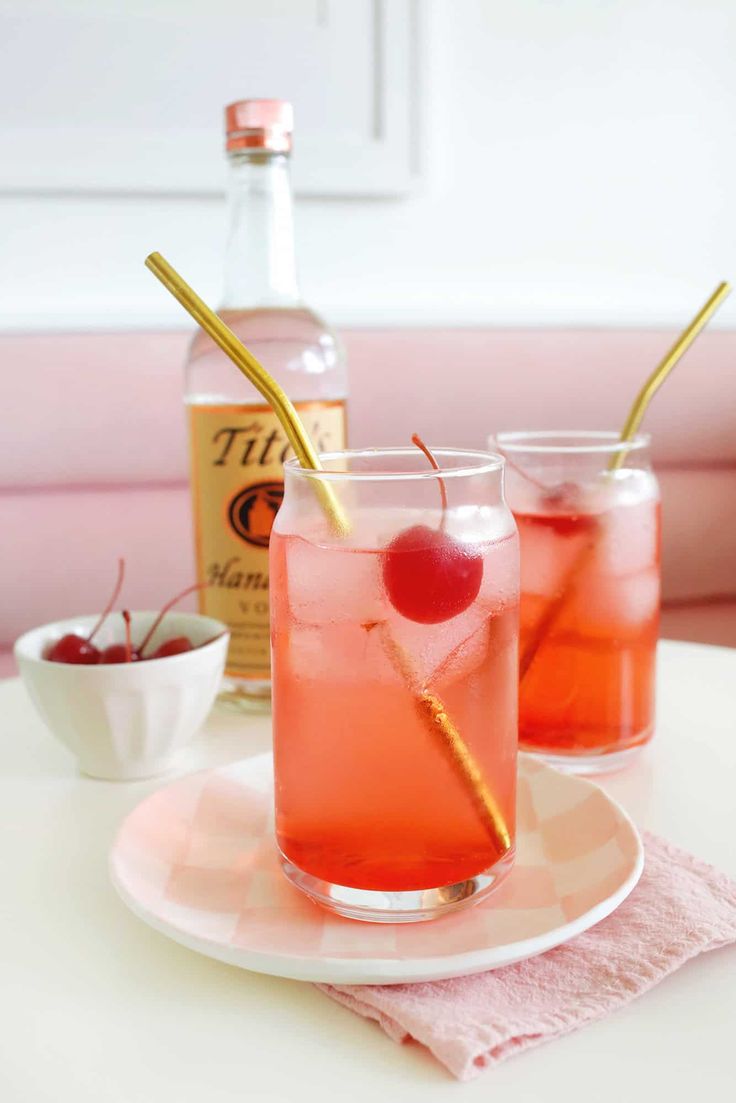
(97, 1008)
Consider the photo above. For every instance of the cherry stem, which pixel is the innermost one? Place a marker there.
(417, 440)
(108, 608)
(164, 611)
(128, 643)
(520, 471)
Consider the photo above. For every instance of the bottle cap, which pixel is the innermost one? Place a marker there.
(259, 124)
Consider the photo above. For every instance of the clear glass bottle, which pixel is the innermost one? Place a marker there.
(237, 444)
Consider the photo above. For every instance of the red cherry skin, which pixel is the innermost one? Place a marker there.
(117, 653)
(73, 649)
(429, 576)
(177, 645)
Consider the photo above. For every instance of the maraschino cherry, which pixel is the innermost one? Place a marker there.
(175, 646)
(73, 649)
(120, 652)
(429, 576)
(80, 649)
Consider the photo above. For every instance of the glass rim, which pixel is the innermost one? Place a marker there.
(569, 441)
(479, 463)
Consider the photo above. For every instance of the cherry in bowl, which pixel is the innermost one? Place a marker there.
(82, 650)
(126, 720)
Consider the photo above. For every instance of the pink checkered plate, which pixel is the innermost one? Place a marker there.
(197, 861)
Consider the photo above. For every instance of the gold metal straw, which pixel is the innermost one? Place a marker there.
(430, 706)
(435, 716)
(282, 406)
(665, 366)
(632, 423)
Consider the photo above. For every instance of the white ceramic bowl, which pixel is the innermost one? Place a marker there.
(125, 721)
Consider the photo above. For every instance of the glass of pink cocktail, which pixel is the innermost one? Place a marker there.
(590, 584)
(395, 685)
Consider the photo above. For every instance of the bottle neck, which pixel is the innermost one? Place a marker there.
(260, 266)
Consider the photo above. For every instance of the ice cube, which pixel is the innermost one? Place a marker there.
(627, 602)
(330, 654)
(500, 583)
(465, 657)
(549, 555)
(428, 647)
(330, 585)
(629, 539)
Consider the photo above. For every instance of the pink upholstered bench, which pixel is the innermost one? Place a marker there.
(93, 460)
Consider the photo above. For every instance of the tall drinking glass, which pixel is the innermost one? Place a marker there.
(395, 682)
(590, 584)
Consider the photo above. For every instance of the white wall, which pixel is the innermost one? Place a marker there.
(578, 166)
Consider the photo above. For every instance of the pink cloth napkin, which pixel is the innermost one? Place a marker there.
(680, 908)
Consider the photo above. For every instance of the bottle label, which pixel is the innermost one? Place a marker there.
(237, 453)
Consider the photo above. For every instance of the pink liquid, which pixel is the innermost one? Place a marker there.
(589, 621)
(366, 793)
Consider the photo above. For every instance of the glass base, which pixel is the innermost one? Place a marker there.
(413, 906)
(244, 695)
(587, 764)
